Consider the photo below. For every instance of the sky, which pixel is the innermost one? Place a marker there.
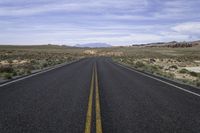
(116, 22)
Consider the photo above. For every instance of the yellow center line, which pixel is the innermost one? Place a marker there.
(88, 123)
(89, 111)
(97, 105)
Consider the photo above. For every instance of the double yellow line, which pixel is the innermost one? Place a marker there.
(88, 124)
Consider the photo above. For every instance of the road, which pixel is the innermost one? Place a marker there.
(98, 95)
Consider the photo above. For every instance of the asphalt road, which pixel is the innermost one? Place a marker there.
(98, 95)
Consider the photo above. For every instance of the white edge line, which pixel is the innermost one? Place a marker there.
(37, 73)
(196, 94)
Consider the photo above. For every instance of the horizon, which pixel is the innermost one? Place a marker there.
(82, 44)
(117, 23)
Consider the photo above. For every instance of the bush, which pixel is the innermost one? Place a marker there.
(20, 71)
(14, 73)
(139, 64)
(155, 68)
(168, 75)
(33, 62)
(194, 74)
(198, 83)
(6, 69)
(44, 65)
(152, 69)
(183, 71)
(7, 76)
(160, 67)
(173, 67)
(27, 71)
(28, 66)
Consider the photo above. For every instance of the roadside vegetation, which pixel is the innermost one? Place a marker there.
(24, 60)
(181, 64)
(178, 63)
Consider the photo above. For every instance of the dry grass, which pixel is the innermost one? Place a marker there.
(25, 59)
(163, 61)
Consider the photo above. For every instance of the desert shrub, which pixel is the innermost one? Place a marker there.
(7, 76)
(183, 71)
(160, 67)
(14, 73)
(168, 75)
(33, 61)
(173, 67)
(21, 71)
(139, 64)
(194, 74)
(155, 68)
(36, 66)
(27, 71)
(44, 64)
(184, 80)
(27, 66)
(6, 69)
(70, 58)
(198, 83)
(152, 69)
(151, 60)
(10, 61)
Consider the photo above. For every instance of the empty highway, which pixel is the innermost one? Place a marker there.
(96, 95)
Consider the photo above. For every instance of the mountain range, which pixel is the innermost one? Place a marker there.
(93, 45)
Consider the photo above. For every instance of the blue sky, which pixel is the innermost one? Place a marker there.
(121, 22)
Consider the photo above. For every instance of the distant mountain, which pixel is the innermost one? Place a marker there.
(173, 44)
(93, 45)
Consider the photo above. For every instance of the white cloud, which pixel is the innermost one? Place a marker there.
(177, 10)
(101, 6)
(188, 28)
(73, 34)
(82, 21)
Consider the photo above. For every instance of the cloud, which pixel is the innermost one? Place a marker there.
(82, 21)
(101, 6)
(177, 10)
(188, 28)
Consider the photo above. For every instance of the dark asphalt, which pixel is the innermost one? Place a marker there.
(56, 102)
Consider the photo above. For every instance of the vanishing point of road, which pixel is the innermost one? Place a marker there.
(96, 95)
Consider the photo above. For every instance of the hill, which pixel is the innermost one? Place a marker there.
(93, 45)
(173, 44)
